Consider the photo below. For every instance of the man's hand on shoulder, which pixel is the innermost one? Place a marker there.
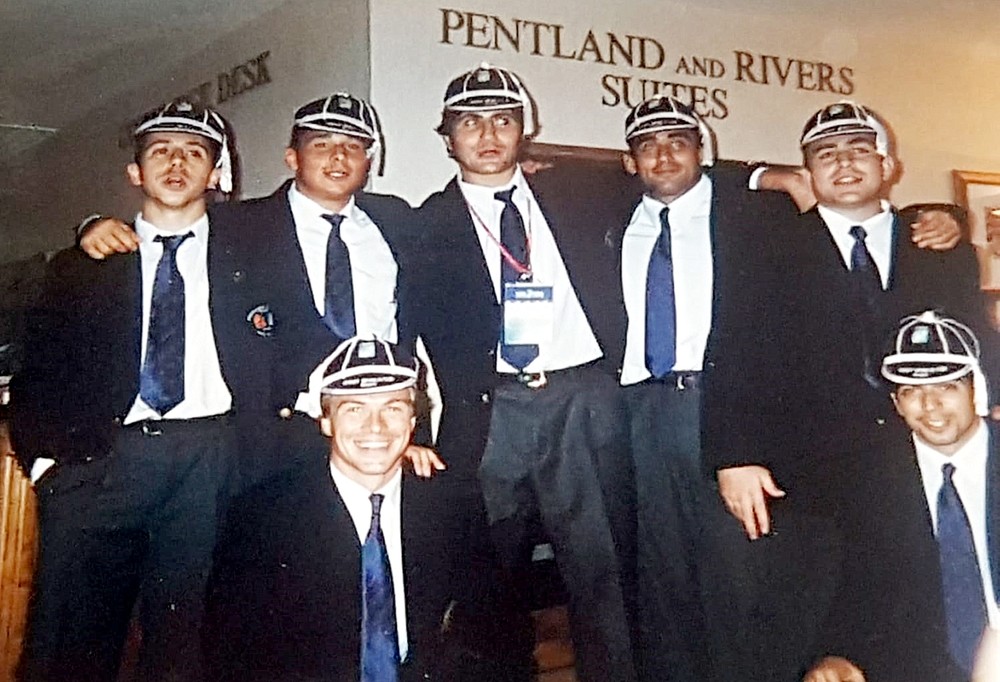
(424, 461)
(106, 237)
(745, 490)
(532, 166)
(935, 229)
(834, 669)
(795, 181)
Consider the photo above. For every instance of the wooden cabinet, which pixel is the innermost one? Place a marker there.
(18, 545)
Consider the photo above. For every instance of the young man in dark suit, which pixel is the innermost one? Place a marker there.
(333, 259)
(804, 398)
(345, 568)
(921, 566)
(122, 417)
(521, 326)
(682, 249)
(855, 274)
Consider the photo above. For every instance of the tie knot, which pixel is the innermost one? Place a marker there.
(173, 242)
(335, 219)
(665, 218)
(858, 233)
(376, 505)
(506, 196)
(948, 470)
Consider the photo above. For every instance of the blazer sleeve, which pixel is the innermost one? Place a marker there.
(746, 362)
(58, 395)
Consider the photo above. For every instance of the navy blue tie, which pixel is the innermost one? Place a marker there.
(661, 313)
(161, 379)
(962, 583)
(867, 289)
(515, 241)
(379, 639)
(338, 313)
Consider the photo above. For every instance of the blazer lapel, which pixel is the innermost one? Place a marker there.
(288, 263)
(465, 240)
(896, 251)
(993, 506)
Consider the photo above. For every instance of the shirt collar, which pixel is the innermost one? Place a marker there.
(355, 493)
(482, 193)
(972, 455)
(880, 223)
(694, 203)
(147, 231)
(300, 202)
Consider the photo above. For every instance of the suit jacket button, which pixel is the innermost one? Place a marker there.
(285, 413)
(485, 397)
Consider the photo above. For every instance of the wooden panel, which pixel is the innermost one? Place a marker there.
(18, 542)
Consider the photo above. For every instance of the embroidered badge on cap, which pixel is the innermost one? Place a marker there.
(921, 335)
(366, 350)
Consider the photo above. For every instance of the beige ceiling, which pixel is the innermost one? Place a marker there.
(60, 58)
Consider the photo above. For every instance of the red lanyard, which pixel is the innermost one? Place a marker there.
(521, 268)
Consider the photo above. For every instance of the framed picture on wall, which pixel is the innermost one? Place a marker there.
(979, 194)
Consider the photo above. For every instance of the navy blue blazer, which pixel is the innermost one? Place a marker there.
(82, 360)
(266, 229)
(284, 599)
(275, 269)
(889, 612)
(457, 312)
(795, 399)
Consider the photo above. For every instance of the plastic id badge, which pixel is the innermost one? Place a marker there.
(527, 313)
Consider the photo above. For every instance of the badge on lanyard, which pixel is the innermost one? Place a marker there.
(527, 313)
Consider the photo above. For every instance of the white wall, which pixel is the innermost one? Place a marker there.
(316, 47)
(929, 68)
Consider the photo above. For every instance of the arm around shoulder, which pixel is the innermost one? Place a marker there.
(107, 236)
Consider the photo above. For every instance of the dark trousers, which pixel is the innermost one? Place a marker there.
(136, 525)
(767, 600)
(560, 453)
(492, 624)
(672, 493)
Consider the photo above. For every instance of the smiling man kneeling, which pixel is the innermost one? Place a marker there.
(345, 568)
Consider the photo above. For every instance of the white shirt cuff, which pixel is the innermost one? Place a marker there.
(754, 183)
(38, 469)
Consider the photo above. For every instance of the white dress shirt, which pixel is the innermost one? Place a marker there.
(373, 268)
(691, 256)
(573, 342)
(205, 391)
(878, 241)
(970, 477)
(357, 500)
